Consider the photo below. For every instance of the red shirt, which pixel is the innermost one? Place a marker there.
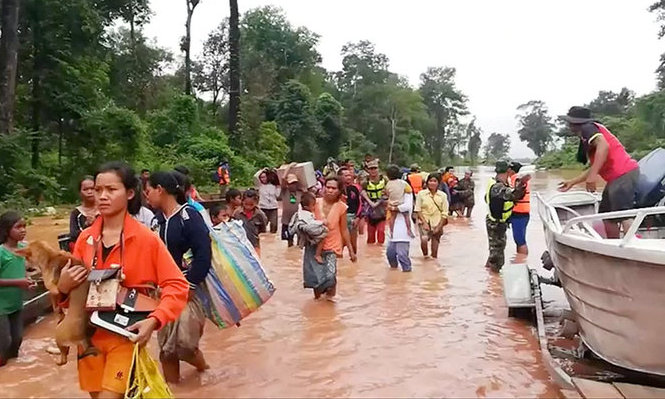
(618, 162)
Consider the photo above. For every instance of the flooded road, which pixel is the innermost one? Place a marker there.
(441, 331)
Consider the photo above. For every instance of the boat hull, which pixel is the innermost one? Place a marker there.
(618, 304)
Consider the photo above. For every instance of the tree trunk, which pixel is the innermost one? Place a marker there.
(187, 45)
(392, 140)
(61, 133)
(8, 63)
(36, 101)
(234, 72)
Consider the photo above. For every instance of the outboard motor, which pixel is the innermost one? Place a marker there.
(651, 184)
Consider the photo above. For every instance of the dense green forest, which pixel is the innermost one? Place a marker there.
(89, 87)
(80, 84)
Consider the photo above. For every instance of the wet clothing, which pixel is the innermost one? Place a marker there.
(500, 198)
(620, 193)
(618, 161)
(519, 223)
(465, 192)
(432, 207)
(254, 224)
(353, 200)
(309, 230)
(12, 267)
(519, 220)
(290, 203)
(11, 335)
(268, 194)
(333, 241)
(398, 254)
(186, 230)
(180, 340)
(319, 276)
(496, 236)
(145, 259)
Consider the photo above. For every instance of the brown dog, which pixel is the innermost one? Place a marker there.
(73, 326)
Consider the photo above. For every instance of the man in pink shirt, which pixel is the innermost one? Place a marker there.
(610, 161)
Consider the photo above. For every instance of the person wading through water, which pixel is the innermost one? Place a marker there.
(465, 192)
(181, 228)
(116, 240)
(610, 161)
(322, 277)
(432, 214)
(519, 220)
(373, 193)
(353, 203)
(500, 198)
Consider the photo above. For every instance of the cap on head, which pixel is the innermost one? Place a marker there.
(515, 166)
(291, 178)
(415, 167)
(373, 164)
(501, 167)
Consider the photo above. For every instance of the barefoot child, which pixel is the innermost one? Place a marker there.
(12, 281)
(306, 215)
(396, 189)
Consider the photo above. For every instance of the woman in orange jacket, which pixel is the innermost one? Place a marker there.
(117, 240)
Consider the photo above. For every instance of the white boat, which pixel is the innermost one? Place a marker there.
(615, 287)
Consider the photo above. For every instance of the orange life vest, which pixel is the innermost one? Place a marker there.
(416, 182)
(523, 205)
(223, 176)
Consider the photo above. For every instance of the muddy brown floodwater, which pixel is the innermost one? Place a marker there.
(441, 331)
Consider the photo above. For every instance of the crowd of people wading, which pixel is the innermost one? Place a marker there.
(149, 223)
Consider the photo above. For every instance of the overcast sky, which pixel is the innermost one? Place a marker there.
(506, 52)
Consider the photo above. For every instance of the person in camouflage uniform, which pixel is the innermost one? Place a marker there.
(500, 197)
(464, 190)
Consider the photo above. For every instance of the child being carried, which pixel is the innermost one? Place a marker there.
(309, 230)
(395, 190)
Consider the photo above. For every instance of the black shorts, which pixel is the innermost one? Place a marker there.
(619, 194)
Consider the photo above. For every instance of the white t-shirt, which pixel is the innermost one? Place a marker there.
(400, 232)
(146, 218)
(268, 194)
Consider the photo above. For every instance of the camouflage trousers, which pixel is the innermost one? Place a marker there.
(496, 235)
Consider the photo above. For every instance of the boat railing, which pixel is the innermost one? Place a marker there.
(637, 215)
(547, 209)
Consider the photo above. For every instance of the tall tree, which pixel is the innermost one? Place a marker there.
(536, 127)
(186, 44)
(294, 114)
(497, 146)
(445, 104)
(213, 67)
(234, 71)
(609, 103)
(474, 144)
(659, 8)
(8, 63)
(328, 111)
